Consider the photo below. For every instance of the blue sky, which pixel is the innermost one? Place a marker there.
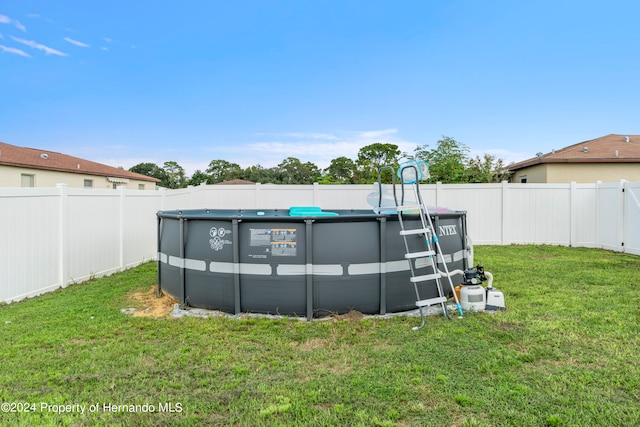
(254, 82)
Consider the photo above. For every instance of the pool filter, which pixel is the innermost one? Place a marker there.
(472, 294)
(472, 298)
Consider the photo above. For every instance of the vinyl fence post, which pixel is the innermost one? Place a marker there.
(315, 194)
(598, 245)
(62, 234)
(573, 213)
(438, 193)
(121, 189)
(623, 212)
(504, 200)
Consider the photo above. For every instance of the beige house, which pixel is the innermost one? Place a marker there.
(29, 167)
(608, 159)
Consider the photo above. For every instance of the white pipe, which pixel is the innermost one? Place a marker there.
(451, 273)
(490, 278)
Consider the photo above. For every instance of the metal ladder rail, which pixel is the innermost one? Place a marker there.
(426, 228)
(409, 256)
(426, 220)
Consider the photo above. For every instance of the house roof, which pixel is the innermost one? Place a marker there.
(32, 158)
(235, 182)
(612, 148)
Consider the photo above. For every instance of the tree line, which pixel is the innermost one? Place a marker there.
(449, 163)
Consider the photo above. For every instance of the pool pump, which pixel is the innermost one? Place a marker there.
(474, 276)
(495, 299)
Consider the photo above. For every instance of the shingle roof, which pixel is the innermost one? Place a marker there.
(612, 148)
(235, 182)
(33, 158)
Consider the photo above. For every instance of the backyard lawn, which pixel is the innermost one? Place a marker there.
(564, 353)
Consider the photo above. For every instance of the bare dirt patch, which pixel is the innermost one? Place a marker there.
(351, 315)
(148, 304)
(314, 343)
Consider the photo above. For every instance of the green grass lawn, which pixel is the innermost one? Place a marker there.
(564, 353)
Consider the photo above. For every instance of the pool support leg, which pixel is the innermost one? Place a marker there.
(236, 265)
(309, 267)
(383, 266)
(183, 291)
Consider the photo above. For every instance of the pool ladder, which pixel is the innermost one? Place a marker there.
(431, 248)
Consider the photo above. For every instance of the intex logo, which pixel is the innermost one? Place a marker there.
(447, 230)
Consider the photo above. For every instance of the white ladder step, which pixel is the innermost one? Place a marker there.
(415, 231)
(431, 301)
(424, 278)
(422, 254)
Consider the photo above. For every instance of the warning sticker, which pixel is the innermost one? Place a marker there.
(217, 240)
(283, 249)
(279, 241)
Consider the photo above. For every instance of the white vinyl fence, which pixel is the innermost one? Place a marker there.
(51, 237)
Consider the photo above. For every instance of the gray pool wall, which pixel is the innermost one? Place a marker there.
(265, 261)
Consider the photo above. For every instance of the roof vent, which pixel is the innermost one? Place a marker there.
(44, 156)
(626, 139)
(585, 149)
(617, 153)
(539, 154)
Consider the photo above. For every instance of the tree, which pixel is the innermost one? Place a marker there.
(371, 158)
(292, 171)
(175, 175)
(222, 170)
(487, 169)
(198, 178)
(260, 174)
(447, 162)
(152, 170)
(341, 170)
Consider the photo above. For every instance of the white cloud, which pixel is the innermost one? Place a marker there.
(13, 50)
(309, 135)
(107, 39)
(47, 50)
(75, 42)
(4, 19)
(378, 134)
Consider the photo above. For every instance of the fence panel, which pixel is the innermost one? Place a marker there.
(92, 228)
(584, 215)
(29, 242)
(139, 227)
(632, 218)
(482, 202)
(537, 213)
(342, 196)
(610, 216)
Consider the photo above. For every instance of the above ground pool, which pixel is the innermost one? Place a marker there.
(299, 262)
